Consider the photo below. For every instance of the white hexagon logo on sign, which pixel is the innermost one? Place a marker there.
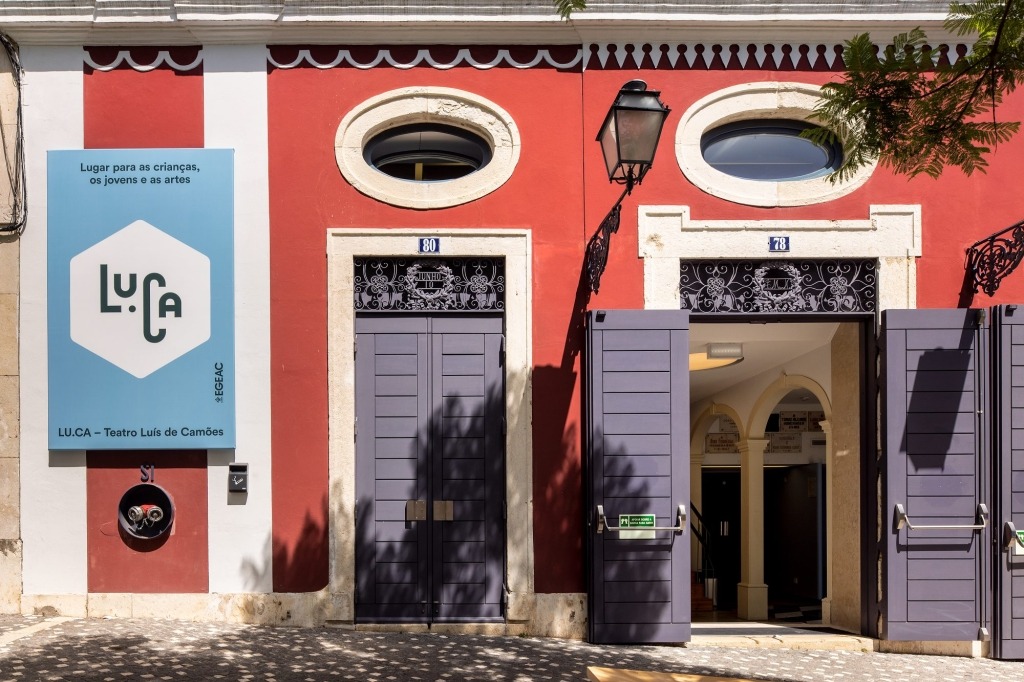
(140, 299)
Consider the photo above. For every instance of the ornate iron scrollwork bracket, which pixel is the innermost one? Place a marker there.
(598, 246)
(993, 258)
(600, 242)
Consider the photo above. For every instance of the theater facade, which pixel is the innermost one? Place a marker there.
(322, 318)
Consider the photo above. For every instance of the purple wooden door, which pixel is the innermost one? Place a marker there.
(934, 374)
(638, 463)
(1008, 500)
(430, 479)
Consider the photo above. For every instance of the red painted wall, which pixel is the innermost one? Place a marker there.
(309, 196)
(956, 210)
(560, 192)
(128, 109)
(177, 564)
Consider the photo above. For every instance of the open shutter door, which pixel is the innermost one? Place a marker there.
(1008, 502)
(934, 375)
(638, 465)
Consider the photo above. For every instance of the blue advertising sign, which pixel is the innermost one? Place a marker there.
(140, 277)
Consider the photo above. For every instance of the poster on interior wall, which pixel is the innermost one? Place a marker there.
(786, 443)
(721, 443)
(727, 425)
(140, 299)
(792, 422)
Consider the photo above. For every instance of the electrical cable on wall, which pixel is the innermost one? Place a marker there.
(14, 159)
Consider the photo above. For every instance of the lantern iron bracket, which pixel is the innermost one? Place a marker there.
(992, 259)
(600, 242)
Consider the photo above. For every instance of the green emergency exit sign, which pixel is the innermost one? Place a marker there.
(636, 520)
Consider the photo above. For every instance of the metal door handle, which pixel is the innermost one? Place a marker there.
(901, 519)
(1010, 537)
(444, 510)
(416, 510)
(602, 522)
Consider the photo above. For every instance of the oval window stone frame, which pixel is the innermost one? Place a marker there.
(748, 102)
(445, 106)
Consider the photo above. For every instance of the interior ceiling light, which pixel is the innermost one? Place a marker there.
(717, 355)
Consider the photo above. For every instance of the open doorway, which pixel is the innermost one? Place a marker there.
(795, 542)
(779, 417)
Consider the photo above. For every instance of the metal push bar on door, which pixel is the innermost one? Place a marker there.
(1010, 537)
(602, 522)
(901, 519)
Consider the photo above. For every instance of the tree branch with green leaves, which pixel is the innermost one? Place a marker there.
(898, 107)
(567, 7)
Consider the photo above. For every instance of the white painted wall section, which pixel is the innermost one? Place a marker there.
(53, 506)
(235, 95)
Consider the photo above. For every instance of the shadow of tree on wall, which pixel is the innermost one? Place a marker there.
(430, 532)
(301, 563)
(557, 459)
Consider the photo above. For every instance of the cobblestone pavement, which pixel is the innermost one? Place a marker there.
(36, 648)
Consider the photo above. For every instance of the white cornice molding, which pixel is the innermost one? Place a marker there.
(178, 22)
(179, 33)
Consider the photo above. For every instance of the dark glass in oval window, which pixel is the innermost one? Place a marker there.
(768, 149)
(425, 152)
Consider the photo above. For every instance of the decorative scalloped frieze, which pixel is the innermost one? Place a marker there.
(143, 58)
(596, 56)
(439, 57)
(735, 56)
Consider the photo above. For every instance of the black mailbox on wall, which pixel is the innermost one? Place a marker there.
(238, 478)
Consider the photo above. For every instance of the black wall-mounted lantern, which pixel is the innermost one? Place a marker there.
(629, 137)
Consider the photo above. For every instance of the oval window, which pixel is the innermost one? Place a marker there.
(427, 148)
(425, 152)
(768, 149)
